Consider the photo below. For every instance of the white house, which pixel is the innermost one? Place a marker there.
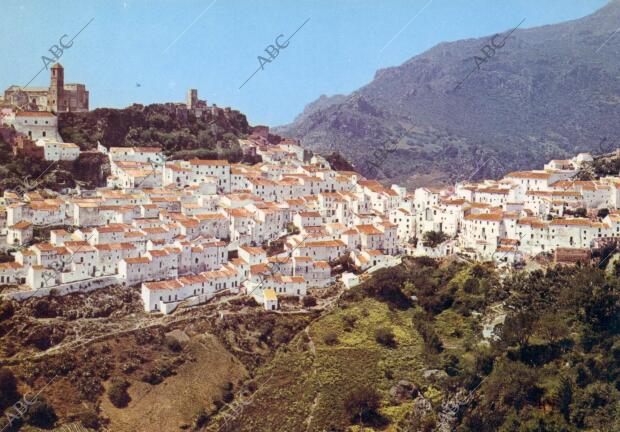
(267, 297)
(321, 250)
(19, 233)
(252, 255)
(307, 218)
(58, 151)
(37, 124)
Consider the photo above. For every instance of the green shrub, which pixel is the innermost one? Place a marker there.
(434, 238)
(330, 338)
(385, 285)
(349, 322)
(228, 396)
(309, 301)
(471, 285)
(43, 309)
(432, 342)
(385, 336)
(361, 404)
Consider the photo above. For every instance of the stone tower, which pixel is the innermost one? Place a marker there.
(55, 97)
(192, 98)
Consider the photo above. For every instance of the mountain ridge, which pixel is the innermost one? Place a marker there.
(545, 93)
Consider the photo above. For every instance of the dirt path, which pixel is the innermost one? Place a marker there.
(134, 324)
(310, 341)
(142, 324)
(326, 308)
(315, 402)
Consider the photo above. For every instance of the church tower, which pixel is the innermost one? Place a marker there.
(192, 99)
(55, 96)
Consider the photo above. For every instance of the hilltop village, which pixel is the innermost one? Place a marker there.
(188, 230)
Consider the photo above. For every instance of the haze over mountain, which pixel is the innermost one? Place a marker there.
(546, 93)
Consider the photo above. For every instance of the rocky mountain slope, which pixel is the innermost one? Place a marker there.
(453, 111)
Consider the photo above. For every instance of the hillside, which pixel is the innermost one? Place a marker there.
(602, 166)
(548, 92)
(81, 344)
(386, 364)
(424, 346)
(30, 173)
(181, 137)
(154, 125)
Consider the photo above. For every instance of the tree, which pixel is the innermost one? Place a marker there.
(40, 337)
(517, 328)
(41, 414)
(117, 393)
(43, 309)
(8, 387)
(362, 404)
(602, 309)
(450, 363)
(291, 228)
(471, 285)
(309, 301)
(592, 406)
(552, 327)
(349, 321)
(282, 334)
(434, 238)
(386, 286)
(602, 213)
(563, 397)
(513, 384)
(580, 212)
(6, 310)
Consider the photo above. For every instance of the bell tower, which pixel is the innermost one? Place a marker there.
(55, 96)
(192, 98)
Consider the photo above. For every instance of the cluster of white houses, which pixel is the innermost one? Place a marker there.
(525, 213)
(188, 230)
(39, 135)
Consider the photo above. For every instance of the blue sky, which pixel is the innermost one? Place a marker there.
(168, 46)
